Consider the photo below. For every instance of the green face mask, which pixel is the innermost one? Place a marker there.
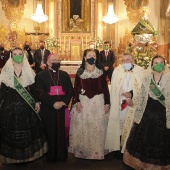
(158, 67)
(106, 47)
(17, 59)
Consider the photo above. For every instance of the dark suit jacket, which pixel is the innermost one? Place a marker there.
(38, 59)
(106, 61)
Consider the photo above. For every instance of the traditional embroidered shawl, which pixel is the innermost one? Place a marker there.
(145, 90)
(92, 74)
(7, 74)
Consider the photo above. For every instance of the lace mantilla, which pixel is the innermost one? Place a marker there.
(91, 74)
(143, 97)
(7, 74)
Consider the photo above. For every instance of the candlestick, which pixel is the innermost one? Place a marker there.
(86, 42)
(69, 44)
(64, 44)
(82, 44)
(60, 42)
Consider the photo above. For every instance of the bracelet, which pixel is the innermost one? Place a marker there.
(107, 105)
(77, 103)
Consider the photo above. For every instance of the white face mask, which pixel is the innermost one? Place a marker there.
(127, 66)
(91, 46)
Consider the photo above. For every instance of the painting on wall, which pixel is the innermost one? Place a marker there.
(76, 15)
(133, 8)
(14, 9)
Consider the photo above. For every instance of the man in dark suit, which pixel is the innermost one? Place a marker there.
(106, 60)
(40, 57)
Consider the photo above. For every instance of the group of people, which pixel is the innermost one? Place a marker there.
(133, 118)
(36, 58)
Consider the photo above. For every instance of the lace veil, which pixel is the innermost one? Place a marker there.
(143, 95)
(7, 73)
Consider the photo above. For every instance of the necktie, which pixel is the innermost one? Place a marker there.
(42, 55)
(106, 54)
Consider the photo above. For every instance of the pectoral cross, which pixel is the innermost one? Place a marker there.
(57, 91)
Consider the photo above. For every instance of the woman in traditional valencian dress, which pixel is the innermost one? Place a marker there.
(148, 146)
(90, 110)
(22, 136)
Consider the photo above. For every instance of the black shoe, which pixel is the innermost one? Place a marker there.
(118, 155)
(126, 167)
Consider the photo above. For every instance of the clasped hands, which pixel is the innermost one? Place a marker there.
(58, 105)
(106, 68)
(37, 107)
(128, 96)
(43, 66)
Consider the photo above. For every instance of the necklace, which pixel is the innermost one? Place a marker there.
(158, 82)
(56, 88)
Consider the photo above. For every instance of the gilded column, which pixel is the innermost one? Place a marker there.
(51, 18)
(100, 19)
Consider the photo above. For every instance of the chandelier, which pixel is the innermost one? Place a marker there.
(110, 17)
(39, 15)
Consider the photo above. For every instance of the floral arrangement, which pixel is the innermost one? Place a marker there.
(142, 59)
(98, 43)
(144, 54)
(51, 43)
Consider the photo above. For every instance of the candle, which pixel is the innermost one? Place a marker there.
(86, 42)
(90, 38)
(169, 57)
(60, 42)
(82, 44)
(64, 44)
(69, 44)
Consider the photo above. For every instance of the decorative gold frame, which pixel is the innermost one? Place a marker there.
(133, 8)
(10, 38)
(14, 9)
(85, 13)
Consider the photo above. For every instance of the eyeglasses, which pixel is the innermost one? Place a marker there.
(126, 61)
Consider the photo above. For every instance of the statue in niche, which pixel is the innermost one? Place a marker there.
(80, 8)
(75, 23)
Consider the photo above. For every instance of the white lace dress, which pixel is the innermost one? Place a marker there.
(88, 128)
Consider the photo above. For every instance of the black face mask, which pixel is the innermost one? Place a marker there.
(55, 66)
(91, 61)
(2, 49)
(42, 47)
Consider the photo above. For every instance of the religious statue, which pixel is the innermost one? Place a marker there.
(76, 23)
(144, 47)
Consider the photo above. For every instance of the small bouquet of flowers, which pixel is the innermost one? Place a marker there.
(51, 43)
(98, 43)
(142, 59)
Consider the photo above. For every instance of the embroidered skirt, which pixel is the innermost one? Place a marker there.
(148, 146)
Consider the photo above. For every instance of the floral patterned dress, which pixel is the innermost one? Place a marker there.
(88, 128)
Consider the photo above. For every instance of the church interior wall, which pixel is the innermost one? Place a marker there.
(117, 30)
